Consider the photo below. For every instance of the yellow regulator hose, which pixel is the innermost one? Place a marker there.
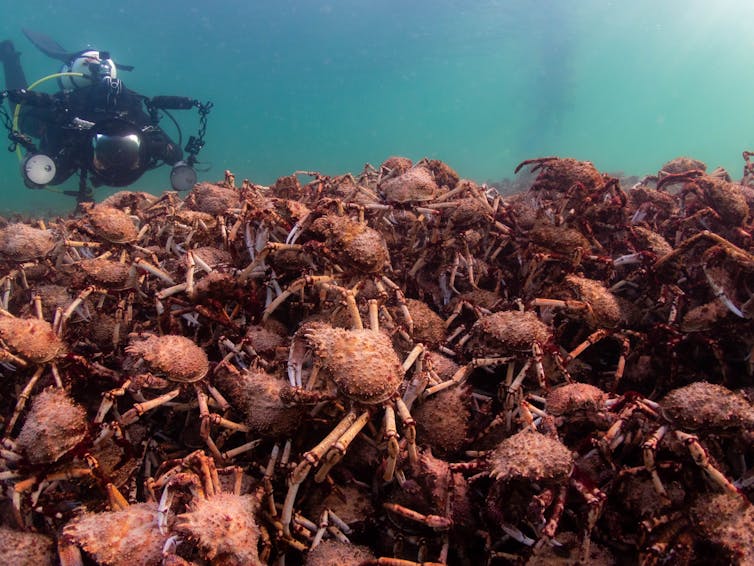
(32, 86)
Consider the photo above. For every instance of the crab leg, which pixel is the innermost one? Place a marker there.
(391, 434)
(353, 310)
(557, 511)
(721, 295)
(108, 400)
(23, 398)
(294, 287)
(156, 271)
(699, 454)
(116, 499)
(337, 451)
(648, 450)
(267, 480)
(72, 308)
(133, 414)
(420, 378)
(432, 521)
(462, 374)
(310, 459)
(410, 429)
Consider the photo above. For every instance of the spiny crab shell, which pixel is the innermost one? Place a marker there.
(334, 551)
(55, 424)
(213, 256)
(560, 239)
(727, 521)
(212, 198)
(559, 174)
(726, 198)
(107, 272)
(709, 406)
(469, 212)
(111, 224)
(577, 401)
(606, 310)
(507, 332)
(682, 164)
(443, 420)
(224, 527)
(531, 455)
(25, 548)
(443, 174)
(355, 244)
(21, 242)
(396, 165)
(256, 395)
(31, 338)
(415, 185)
(429, 327)
(646, 239)
(115, 538)
(361, 363)
(175, 357)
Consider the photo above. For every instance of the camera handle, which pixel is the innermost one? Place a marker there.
(195, 143)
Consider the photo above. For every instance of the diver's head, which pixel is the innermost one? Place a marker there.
(94, 65)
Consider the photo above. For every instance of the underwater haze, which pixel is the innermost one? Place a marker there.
(329, 85)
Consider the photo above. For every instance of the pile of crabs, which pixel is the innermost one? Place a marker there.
(400, 367)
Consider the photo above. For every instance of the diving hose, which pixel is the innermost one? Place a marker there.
(32, 86)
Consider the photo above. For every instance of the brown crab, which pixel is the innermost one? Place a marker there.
(126, 535)
(335, 353)
(20, 242)
(712, 411)
(353, 244)
(434, 503)
(580, 410)
(29, 342)
(213, 198)
(727, 521)
(108, 223)
(557, 175)
(26, 250)
(221, 525)
(506, 337)
(23, 548)
(161, 362)
(531, 473)
(726, 199)
(413, 186)
(54, 426)
(602, 313)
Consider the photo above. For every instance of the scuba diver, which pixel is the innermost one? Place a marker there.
(94, 125)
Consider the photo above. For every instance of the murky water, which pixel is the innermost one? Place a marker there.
(330, 85)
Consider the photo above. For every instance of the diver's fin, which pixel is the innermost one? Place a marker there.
(49, 46)
(53, 49)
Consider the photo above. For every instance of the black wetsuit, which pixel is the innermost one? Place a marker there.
(67, 145)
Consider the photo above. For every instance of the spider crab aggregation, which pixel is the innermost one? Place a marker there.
(398, 367)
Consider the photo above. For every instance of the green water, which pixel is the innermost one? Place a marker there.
(331, 85)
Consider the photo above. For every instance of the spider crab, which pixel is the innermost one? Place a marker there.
(360, 367)
(162, 362)
(538, 467)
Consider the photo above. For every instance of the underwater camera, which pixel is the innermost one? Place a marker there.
(115, 152)
(109, 147)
